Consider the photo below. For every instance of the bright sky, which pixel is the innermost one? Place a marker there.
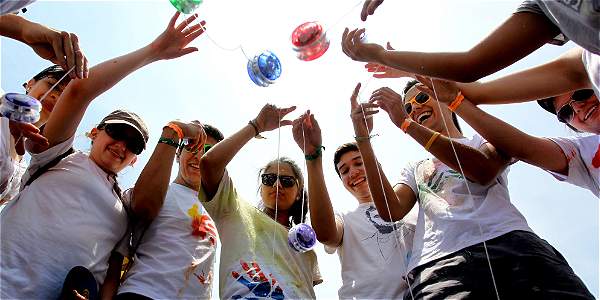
(212, 85)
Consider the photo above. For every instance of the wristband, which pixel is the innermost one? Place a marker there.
(456, 102)
(365, 138)
(316, 154)
(177, 130)
(168, 141)
(431, 140)
(406, 124)
(256, 132)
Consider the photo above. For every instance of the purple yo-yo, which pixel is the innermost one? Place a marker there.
(20, 108)
(302, 237)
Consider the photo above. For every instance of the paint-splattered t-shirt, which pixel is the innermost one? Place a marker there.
(176, 256)
(583, 154)
(256, 260)
(449, 219)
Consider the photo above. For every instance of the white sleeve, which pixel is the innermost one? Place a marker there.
(578, 172)
(407, 177)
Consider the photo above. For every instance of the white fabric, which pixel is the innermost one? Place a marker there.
(591, 62)
(67, 217)
(11, 170)
(176, 256)
(370, 255)
(11, 6)
(256, 260)
(583, 154)
(448, 218)
(578, 20)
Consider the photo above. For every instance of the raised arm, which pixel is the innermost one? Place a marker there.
(73, 102)
(479, 165)
(389, 206)
(507, 139)
(213, 163)
(518, 36)
(307, 135)
(564, 74)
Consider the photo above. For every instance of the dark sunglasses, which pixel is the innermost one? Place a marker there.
(125, 133)
(206, 148)
(269, 179)
(420, 98)
(566, 113)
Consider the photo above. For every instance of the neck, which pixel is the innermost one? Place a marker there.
(180, 180)
(364, 199)
(282, 215)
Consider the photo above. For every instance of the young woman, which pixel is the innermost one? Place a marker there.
(74, 213)
(256, 260)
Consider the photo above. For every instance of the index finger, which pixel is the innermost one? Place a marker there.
(353, 98)
(363, 13)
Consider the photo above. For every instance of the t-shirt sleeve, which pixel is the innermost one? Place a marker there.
(41, 159)
(224, 201)
(531, 6)
(407, 177)
(317, 278)
(331, 249)
(577, 173)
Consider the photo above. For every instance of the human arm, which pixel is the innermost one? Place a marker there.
(481, 165)
(564, 74)
(110, 286)
(59, 47)
(328, 228)
(507, 139)
(518, 36)
(213, 163)
(74, 100)
(151, 187)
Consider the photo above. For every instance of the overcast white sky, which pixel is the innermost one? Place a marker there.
(212, 85)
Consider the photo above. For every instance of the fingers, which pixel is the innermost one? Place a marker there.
(186, 23)
(354, 97)
(373, 6)
(80, 59)
(174, 20)
(58, 51)
(286, 122)
(369, 8)
(69, 51)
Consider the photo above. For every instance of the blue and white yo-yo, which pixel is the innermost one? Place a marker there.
(264, 68)
(302, 237)
(20, 108)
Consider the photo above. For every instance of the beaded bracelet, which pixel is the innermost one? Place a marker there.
(257, 133)
(315, 155)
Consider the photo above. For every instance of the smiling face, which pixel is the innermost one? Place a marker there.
(586, 117)
(109, 154)
(428, 114)
(277, 193)
(353, 175)
(37, 89)
(189, 166)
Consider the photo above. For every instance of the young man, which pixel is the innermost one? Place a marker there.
(176, 257)
(470, 241)
(371, 251)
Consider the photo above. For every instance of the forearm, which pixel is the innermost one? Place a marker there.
(388, 205)
(321, 211)
(11, 26)
(151, 187)
(109, 288)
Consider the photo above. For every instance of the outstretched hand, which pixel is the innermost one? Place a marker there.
(271, 117)
(444, 91)
(21, 131)
(369, 8)
(173, 41)
(307, 133)
(361, 114)
(357, 49)
(391, 102)
(383, 71)
(194, 132)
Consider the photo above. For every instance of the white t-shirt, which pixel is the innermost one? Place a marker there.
(11, 170)
(583, 154)
(591, 62)
(578, 20)
(11, 6)
(448, 218)
(373, 257)
(176, 256)
(256, 260)
(67, 217)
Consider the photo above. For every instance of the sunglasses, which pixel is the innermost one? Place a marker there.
(566, 112)
(286, 181)
(420, 98)
(206, 147)
(120, 132)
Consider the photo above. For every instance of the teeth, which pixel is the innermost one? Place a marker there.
(359, 181)
(590, 112)
(423, 116)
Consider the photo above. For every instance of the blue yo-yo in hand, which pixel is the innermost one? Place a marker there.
(264, 68)
(186, 6)
(302, 237)
(20, 108)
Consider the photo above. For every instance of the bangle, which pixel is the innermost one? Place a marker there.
(316, 154)
(365, 138)
(256, 132)
(176, 128)
(406, 124)
(456, 102)
(168, 141)
(431, 140)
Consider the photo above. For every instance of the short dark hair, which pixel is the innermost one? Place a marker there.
(412, 83)
(54, 71)
(213, 132)
(341, 150)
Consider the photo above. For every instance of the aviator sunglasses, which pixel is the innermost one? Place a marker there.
(120, 132)
(269, 179)
(420, 98)
(566, 112)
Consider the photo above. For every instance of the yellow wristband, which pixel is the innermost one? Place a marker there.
(431, 140)
(456, 102)
(406, 124)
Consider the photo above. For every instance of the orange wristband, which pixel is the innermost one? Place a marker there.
(456, 102)
(406, 124)
(177, 129)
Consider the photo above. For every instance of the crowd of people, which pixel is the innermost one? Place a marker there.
(450, 229)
